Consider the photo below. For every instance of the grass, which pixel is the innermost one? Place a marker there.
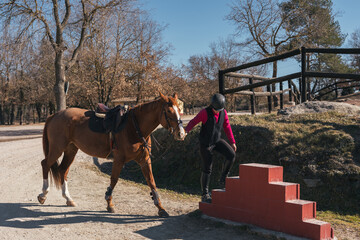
(345, 226)
(352, 221)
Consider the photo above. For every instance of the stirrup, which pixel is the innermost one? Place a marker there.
(206, 198)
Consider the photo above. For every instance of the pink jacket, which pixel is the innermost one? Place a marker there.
(202, 117)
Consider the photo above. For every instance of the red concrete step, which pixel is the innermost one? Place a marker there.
(260, 197)
(300, 209)
(261, 173)
(283, 191)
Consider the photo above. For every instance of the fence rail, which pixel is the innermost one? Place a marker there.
(300, 95)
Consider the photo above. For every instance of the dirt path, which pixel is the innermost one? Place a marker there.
(22, 217)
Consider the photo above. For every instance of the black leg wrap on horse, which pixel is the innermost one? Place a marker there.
(155, 196)
(108, 193)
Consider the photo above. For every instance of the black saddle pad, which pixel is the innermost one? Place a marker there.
(114, 121)
(96, 124)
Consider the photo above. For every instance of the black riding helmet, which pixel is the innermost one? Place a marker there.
(218, 102)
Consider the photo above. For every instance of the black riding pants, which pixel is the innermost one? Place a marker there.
(207, 152)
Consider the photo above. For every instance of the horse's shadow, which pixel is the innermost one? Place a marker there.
(131, 170)
(29, 216)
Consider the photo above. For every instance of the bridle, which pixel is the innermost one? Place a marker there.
(168, 119)
(142, 138)
(138, 131)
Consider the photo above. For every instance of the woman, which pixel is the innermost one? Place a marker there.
(213, 118)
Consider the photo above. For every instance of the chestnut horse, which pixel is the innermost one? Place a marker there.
(67, 131)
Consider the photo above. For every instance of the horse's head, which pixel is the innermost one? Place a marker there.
(170, 117)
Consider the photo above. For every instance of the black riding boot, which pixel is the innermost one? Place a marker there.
(205, 180)
(225, 171)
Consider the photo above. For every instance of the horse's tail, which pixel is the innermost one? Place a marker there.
(45, 139)
(54, 169)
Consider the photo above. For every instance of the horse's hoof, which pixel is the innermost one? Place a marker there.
(70, 203)
(41, 199)
(110, 209)
(162, 213)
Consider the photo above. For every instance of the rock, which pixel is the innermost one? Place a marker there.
(320, 106)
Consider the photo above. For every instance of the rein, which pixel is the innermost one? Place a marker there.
(138, 131)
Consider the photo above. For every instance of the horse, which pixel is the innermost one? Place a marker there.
(67, 131)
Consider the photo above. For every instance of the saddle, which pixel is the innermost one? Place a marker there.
(108, 120)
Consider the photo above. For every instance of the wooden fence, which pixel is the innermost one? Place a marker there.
(300, 94)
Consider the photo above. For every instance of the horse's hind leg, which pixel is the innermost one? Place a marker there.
(118, 164)
(147, 172)
(69, 155)
(45, 188)
(46, 164)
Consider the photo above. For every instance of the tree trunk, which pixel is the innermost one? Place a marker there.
(12, 114)
(60, 78)
(38, 107)
(20, 114)
(2, 122)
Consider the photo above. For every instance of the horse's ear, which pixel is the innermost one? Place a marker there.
(175, 96)
(163, 97)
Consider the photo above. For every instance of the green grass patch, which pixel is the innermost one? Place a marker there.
(352, 221)
(342, 223)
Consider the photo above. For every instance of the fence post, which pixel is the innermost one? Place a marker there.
(336, 90)
(290, 92)
(281, 96)
(252, 98)
(308, 81)
(268, 88)
(221, 82)
(303, 72)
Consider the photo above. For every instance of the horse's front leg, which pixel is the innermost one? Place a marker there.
(115, 173)
(147, 172)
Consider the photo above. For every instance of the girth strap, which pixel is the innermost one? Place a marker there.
(138, 132)
(112, 143)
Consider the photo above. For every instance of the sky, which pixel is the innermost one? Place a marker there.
(192, 25)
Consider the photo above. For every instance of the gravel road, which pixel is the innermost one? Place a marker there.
(22, 217)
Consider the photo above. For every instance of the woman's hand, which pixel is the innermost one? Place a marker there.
(234, 147)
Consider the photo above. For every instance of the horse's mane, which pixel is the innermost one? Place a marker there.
(153, 104)
(146, 105)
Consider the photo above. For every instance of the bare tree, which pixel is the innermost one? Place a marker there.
(202, 70)
(148, 51)
(101, 67)
(272, 26)
(53, 19)
(11, 65)
(170, 80)
(262, 22)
